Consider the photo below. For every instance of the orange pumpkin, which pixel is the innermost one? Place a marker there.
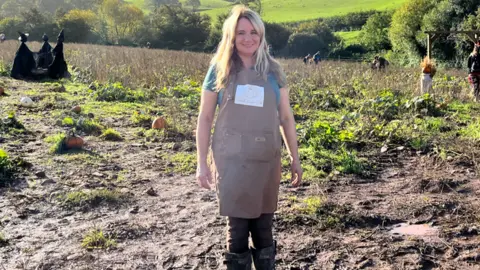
(159, 123)
(76, 109)
(2, 91)
(74, 142)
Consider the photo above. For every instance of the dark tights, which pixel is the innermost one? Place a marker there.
(476, 85)
(238, 230)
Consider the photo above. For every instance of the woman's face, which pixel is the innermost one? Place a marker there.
(247, 40)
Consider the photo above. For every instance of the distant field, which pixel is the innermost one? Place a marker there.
(138, 3)
(349, 37)
(297, 10)
(206, 4)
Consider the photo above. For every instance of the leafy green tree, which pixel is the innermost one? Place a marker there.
(326, 38)
(416, 16)
(10, 26)
(11, 8)
(37, 23)
(155, 4)
(215, 34)
(78, 25)
(178, 28)
(118, 20)
(276, 35)
(195, 4)
(448, 15)
(301, 44)
(406, 26)
(253, 4)
(374, 35)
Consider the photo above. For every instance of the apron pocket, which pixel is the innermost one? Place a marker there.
(227, 143)
(258, 146)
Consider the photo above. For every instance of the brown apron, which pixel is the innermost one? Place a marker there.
(246, 149)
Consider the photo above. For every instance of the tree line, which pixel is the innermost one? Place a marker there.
(169, 25)
(398, 34)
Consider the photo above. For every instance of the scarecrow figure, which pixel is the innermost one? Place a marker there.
(24, 62)
(379, 63)
(306, 59)
(428, 71)
(316, 57)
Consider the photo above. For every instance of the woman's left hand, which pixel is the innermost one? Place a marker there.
(296, 173)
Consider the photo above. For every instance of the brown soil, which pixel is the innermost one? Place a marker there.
(175, 225)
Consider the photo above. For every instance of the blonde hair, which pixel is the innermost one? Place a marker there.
(227, 61)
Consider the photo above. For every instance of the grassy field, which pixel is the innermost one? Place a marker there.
(293, 10)
(378, 157)
(138, 3)
(206, 4)
(350, 37)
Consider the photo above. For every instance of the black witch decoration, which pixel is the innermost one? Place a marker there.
(24, 62)
(45, 57)
(58, 69)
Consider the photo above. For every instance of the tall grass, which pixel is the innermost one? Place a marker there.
(150, 68)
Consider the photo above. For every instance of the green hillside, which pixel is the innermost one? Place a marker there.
(206, 4)
(138, 3)
(349, 37)
(298, 10)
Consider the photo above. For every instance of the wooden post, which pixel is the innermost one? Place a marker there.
(430, 39)
(429, 47)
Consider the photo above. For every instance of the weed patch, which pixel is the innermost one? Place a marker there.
(89, 126)
(96, 239)
(57, 142)
(7, 169)
(118, 92)
(111, 135)
(182, 163)
(90, 199)
(141, 119)
(3, 240)
(10, 124)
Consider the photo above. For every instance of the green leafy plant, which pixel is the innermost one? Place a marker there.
(11, 124)
(7, 168)
(96, 239)
(57, 142)
(118, 92)
(3, 240)
(68, 121)
(141, 119)
(89, 126)
(91, 198)
(111, 135)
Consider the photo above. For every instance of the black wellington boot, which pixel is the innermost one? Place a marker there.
(236, 261)
(264, 259)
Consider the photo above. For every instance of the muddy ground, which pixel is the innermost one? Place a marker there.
(168, 222)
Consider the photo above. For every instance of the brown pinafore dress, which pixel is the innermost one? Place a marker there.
(246, 148)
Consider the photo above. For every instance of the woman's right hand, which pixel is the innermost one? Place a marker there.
(204, 176)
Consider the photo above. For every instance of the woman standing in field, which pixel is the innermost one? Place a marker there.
(249, 87)
(474, 71)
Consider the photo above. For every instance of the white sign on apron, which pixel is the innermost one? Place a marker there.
(250, 95)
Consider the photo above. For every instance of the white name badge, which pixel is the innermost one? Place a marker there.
(250, 95)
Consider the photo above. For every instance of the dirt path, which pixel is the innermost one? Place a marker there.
(175, 225)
